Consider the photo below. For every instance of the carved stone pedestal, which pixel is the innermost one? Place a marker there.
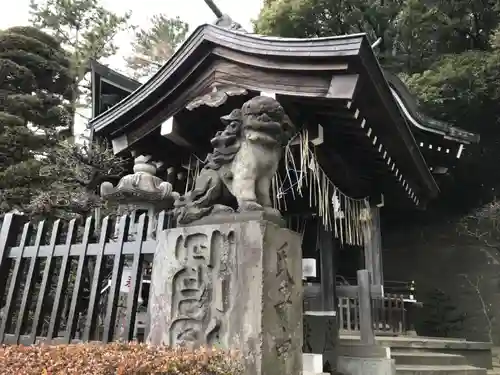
(234, 285)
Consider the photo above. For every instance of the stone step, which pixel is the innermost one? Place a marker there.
(439, 370)
(477, 354)
(427, 358)
(419, 342)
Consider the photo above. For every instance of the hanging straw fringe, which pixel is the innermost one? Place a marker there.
(194, 169)
(338, 212)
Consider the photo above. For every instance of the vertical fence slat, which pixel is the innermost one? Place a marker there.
(399, 312)
(90, 323)
(398, 318)
(393, 322)
(135, 283)
(42, 295)
(6, 233)
(110, 319)
(62, 281)
(77, 289)
(348, 311)
(14, 282)
(10, 228)
(29, 279)
(382, 313)
(341, 313)
(160, 225)
(389, 312)
(403, 315)
(356, 315)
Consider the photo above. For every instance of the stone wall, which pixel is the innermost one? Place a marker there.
(437, 256)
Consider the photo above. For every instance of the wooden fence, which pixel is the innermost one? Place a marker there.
(389, 315)
(52, 274)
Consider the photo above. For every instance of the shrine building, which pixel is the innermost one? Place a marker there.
(363, 150)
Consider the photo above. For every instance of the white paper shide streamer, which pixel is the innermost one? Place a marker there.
(338, 212)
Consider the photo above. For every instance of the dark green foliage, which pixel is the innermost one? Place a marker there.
(464, 89)
(414, 33)
(439, 317)
(85, 29)
(34, 82)
(447, 51)
(73, 174)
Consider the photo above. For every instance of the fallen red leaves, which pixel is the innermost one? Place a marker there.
(114, 359)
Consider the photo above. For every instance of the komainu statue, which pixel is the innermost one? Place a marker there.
(245, 158)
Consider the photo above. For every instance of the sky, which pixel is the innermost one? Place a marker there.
(194, 12)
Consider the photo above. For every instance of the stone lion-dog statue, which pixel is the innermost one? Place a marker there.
(239, 171)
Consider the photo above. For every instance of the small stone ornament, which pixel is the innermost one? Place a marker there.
(142, 185)
(140, 192)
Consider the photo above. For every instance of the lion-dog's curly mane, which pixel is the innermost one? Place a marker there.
(226, 143)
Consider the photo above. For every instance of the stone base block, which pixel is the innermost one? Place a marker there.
(321, 336)
(358, 359)
(236, 285)
(366, 366)
(312, 363)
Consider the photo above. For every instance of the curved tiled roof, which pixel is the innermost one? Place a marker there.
(165, 92)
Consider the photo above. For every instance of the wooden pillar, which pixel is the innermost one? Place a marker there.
(373, 247)
(327, 253)
(365, 308)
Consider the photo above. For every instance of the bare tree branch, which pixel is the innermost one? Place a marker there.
(476, 287)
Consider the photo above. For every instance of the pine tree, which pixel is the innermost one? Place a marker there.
(440, 317)
(34, 97)
(86, 29)
(154, 46)
(73, 174)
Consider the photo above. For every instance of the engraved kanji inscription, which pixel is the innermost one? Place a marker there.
(197, 289)
(285, 284)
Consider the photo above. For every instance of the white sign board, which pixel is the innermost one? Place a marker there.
(126, 284)
(126, 280)
(308, 267)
